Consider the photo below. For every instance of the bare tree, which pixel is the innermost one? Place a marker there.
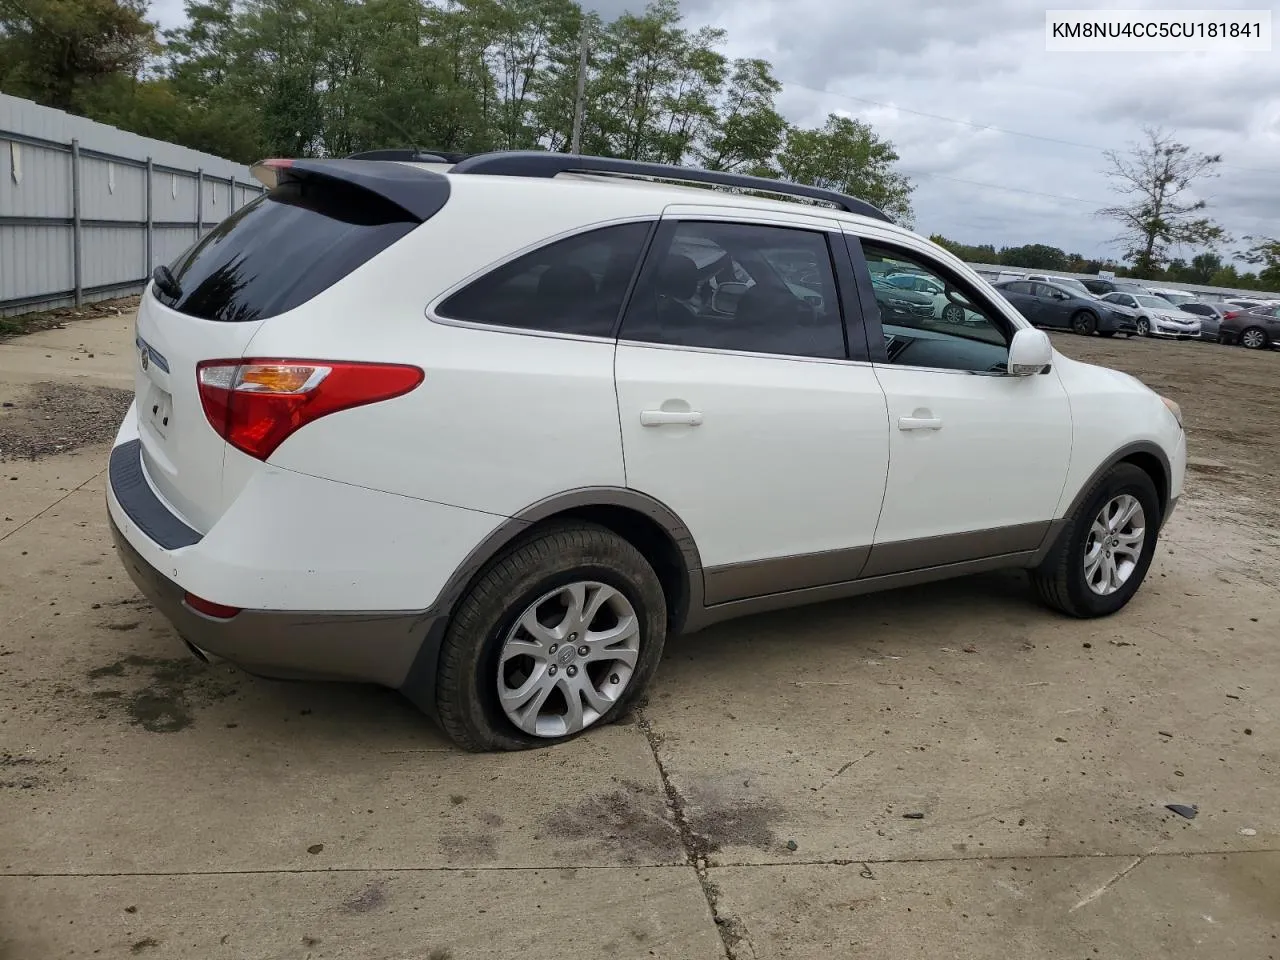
(1158, 213)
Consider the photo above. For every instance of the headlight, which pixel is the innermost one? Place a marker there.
(1174, 409)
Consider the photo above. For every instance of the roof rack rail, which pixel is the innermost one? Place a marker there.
(413, 156)
(534, 163)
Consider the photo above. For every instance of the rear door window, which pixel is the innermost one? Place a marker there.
(283, 248)
(573, 286)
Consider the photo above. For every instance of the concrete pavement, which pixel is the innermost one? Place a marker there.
(757, 807)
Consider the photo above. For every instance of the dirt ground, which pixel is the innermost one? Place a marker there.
(942, 771)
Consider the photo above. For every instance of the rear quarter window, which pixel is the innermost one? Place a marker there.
(283, 248)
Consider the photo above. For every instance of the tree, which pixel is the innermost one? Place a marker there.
(846, 155)
(1036, 256)
(749, 128)
(56, 51)
(1155, 178)
(982, 253)
(1265, 252)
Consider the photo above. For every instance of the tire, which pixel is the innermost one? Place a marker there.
(1083, 323)
(545, 565)
(1144, 327)
(952, 313)
(1254, 338)
(1061, 581)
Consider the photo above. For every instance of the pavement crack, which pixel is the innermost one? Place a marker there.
(855, 760)
(69, 493)
(1108, 885)
(733, 934)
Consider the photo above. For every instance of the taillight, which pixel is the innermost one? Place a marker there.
(255, 405)
(1231, 314)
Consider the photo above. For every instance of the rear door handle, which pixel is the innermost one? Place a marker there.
(919, 423)
(658, 418)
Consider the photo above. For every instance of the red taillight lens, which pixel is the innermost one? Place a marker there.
(255, 405)
(219, 611)
(1231, 314)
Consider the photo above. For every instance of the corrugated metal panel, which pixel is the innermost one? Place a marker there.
(37, 252)
(113, 255)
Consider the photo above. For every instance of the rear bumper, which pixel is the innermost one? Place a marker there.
(370, 647)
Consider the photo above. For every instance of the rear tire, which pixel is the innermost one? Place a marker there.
(574, 559)
(1063, 580)
(1254, 338)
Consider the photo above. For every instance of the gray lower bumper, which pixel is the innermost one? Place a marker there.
(370, 647)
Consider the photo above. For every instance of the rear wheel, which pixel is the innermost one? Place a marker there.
(1255, 338)
(953, 313)
(560, 634)
(1084, 323)
(1104, 553)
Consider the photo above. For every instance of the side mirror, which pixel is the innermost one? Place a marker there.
(726, 297)
(1030, 353)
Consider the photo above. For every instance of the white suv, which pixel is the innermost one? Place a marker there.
(490, 433)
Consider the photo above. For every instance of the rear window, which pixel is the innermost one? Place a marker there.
(281, 249)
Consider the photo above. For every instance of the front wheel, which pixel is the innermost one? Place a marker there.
(1084, 323)
(1104, 553)
(560, 634)
(1255, 338)
(1144, 327)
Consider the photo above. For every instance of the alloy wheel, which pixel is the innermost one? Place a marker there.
(568, 659)
(1114, 547)
(1253, 338)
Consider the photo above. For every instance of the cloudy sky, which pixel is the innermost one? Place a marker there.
(1003, 139)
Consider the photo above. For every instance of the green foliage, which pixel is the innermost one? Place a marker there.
(1265, 252)
(1037, 256)
(59, 52)
(252, 78)
(846, 155)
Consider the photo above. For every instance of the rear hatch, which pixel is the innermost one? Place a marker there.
(319, 222)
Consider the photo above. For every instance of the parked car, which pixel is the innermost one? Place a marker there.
(1071, 283)
(489, 436)
(943, 308)
(1175, 297)
(1050, 305)
(1157, 317)
(1255, 329)
(1101, 286)
(1210, 315)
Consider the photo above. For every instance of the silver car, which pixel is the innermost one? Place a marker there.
(1156, 316)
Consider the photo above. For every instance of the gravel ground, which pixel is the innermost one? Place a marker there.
(57, 319)
(59, 418)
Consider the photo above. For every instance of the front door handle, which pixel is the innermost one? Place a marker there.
(658, 418)
(919, 423)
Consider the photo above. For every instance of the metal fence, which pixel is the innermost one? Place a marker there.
(87, 210)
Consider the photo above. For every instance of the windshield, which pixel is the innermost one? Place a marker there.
(1160, 303)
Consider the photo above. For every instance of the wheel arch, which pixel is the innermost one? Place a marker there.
(1148, 456)
(649, 525)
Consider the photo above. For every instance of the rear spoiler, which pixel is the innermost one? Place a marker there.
(419, 193)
